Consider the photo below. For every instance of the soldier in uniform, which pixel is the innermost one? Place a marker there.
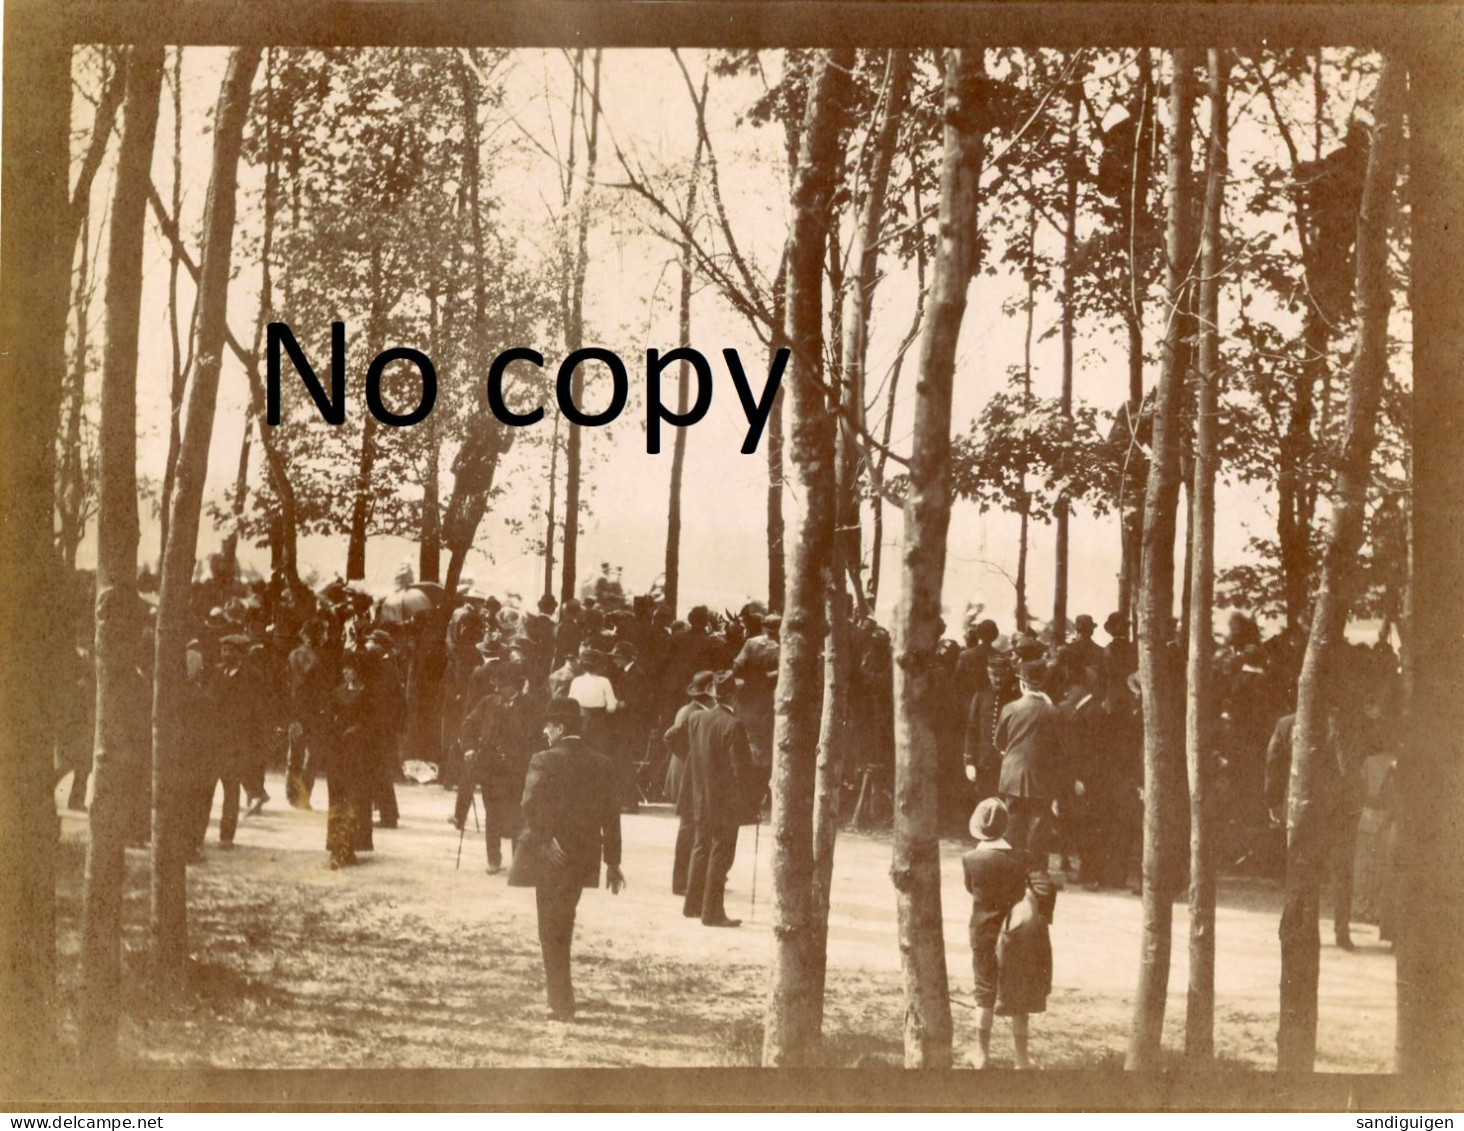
(981, 756)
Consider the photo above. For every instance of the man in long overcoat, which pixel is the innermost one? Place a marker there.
(571, 822)
(498, 738)
(725, 793)
(678, 781)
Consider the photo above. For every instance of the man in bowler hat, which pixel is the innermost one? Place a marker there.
(571, 820)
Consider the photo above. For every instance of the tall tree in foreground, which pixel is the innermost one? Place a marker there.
(118, 760)
(169, 880)
(839, 654)
(683, 378)
(35, 257)
(1312, 793)
(795, 993)
(915, 869)
(574, 313)
(1158, 670)
(1431, 765)
(1199, 1018)
(1073, 164)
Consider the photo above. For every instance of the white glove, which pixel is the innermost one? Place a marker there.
(970, 773)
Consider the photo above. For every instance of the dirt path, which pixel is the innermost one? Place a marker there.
(407, 961)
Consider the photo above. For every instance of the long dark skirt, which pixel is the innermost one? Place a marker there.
(349, 782)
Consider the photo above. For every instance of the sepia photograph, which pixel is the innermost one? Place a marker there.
(815, 537)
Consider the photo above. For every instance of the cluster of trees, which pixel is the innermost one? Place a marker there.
(1252, 307)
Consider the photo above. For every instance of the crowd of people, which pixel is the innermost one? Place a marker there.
(682, 711)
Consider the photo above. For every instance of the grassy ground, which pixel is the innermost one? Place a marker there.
(416, 959)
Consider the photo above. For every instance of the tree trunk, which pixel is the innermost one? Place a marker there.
(1199, 1020)
(104, 120)
(549, 521)
(683, 397)
(230, 547)
(574, 332)
(35, 262)
(180, 364)
(1130, 520)
(915, 869)
(794, 1008)
(117, 765)
(169, 887)
(1061, 510)
(839, 656)
(777, 582)
(429, 562)
(1163, 738)
(1024, 504)
(1430, 943)
(366, 461)
(1311, 797)
(72, 489)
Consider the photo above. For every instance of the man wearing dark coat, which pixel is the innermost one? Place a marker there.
(699, 698)
(724, 795)
(571, 821)
(971, 664)
(1120, 660)
(1030, 736)
(498, 737)
(981, 756)
(310, 673)
(1082, 652)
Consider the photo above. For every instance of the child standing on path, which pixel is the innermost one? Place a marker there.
(1012, 968)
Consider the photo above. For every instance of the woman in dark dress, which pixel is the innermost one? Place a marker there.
(996, 877)
(348, 766)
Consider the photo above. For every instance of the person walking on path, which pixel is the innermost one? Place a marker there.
(571, 822)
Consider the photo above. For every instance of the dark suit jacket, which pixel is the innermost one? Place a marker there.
(719, 768)
(1030, 736)
(570, 795)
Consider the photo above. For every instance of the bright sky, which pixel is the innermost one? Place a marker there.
(631, 305)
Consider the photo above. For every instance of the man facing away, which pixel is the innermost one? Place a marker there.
(1030, 735)
(571, 821)
(725, 794)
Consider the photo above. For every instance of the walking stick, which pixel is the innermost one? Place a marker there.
(462, 831)
(756, 839)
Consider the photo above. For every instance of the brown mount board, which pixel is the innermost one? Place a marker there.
(1427, 34)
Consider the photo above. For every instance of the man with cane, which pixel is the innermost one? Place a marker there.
(497, 740)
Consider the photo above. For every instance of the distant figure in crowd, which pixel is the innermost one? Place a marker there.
(348, 772)
(571, 821)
